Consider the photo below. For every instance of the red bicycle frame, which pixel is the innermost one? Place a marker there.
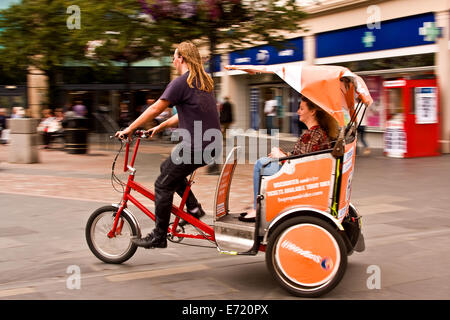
(208, 232)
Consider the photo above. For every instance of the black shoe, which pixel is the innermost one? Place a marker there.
(200, 213)
(150, 241)
(243, 214)
(245, 219)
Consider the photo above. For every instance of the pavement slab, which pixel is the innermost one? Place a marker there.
(45, 206)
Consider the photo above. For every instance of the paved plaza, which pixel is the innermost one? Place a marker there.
(45, 206)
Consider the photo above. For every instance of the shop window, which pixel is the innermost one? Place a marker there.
(411, 61)
(374, 114)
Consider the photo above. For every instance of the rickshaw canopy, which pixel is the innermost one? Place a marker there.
(335, 89)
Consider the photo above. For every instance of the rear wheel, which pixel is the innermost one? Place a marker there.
(117, 249)
(307, 256)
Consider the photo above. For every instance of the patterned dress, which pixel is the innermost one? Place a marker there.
(314, 139)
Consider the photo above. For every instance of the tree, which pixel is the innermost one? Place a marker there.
(35, 33)
(38, 33)
(121, 33)
(233, 22)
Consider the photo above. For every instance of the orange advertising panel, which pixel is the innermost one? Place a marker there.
(306, 183)
(308, 254)
(223, 190)
(348, 164)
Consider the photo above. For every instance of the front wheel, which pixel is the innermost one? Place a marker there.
(117, 249)
(307, 256)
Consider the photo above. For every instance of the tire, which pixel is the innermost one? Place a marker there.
(306, 256)
(110, 250)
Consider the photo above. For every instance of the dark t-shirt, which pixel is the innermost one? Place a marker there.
(194, 107)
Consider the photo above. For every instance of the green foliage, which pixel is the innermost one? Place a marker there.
(121, 30)
(233, 22)
(35, 32)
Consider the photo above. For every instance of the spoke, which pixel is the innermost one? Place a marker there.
(113, 247)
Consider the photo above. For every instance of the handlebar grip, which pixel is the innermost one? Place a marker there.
(137, 133)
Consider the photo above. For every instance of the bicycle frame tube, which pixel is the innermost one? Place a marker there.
(177, 211)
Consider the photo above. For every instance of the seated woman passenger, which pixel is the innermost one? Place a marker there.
(313, 139)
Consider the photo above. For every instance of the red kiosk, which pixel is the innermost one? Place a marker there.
(412, 118)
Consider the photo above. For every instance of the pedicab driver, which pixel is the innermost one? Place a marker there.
(192, 93)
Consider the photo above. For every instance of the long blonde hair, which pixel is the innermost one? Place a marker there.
(197, 74)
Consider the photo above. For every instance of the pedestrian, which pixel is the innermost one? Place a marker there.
(124, 116)
(226, 115)
(270, 111)
(59, 115)
(17, 113)
(193, 94)
(69, 113)
(48, 127)
(362, 133)
(80, 109)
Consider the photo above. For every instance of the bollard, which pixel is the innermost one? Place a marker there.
(24, 140)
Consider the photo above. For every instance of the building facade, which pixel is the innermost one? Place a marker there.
(381, 41)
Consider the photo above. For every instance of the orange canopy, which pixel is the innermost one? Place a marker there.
(334, 89)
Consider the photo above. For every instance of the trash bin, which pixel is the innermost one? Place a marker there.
(76, 135)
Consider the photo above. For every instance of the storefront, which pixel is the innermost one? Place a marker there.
(13, 89)
(105, 92)
(253, 92)
(13, 96)
(380, 54)
(401, 48)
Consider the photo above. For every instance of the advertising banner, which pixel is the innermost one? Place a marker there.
(426, 105)
(374, 114)
(300, 184)
(347, 175)
(395, 139)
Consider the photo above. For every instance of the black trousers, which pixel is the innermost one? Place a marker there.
(362, 135)
(172, 179)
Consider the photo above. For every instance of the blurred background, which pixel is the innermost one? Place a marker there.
(114, 57)
(72, 72)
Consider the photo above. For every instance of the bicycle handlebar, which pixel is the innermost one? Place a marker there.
(138, 133)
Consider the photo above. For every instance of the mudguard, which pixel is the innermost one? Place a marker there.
(132, 217)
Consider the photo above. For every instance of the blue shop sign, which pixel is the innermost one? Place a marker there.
(397, 33)
(291, 51)
(217, 60)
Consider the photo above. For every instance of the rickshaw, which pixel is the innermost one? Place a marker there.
(305, 222)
